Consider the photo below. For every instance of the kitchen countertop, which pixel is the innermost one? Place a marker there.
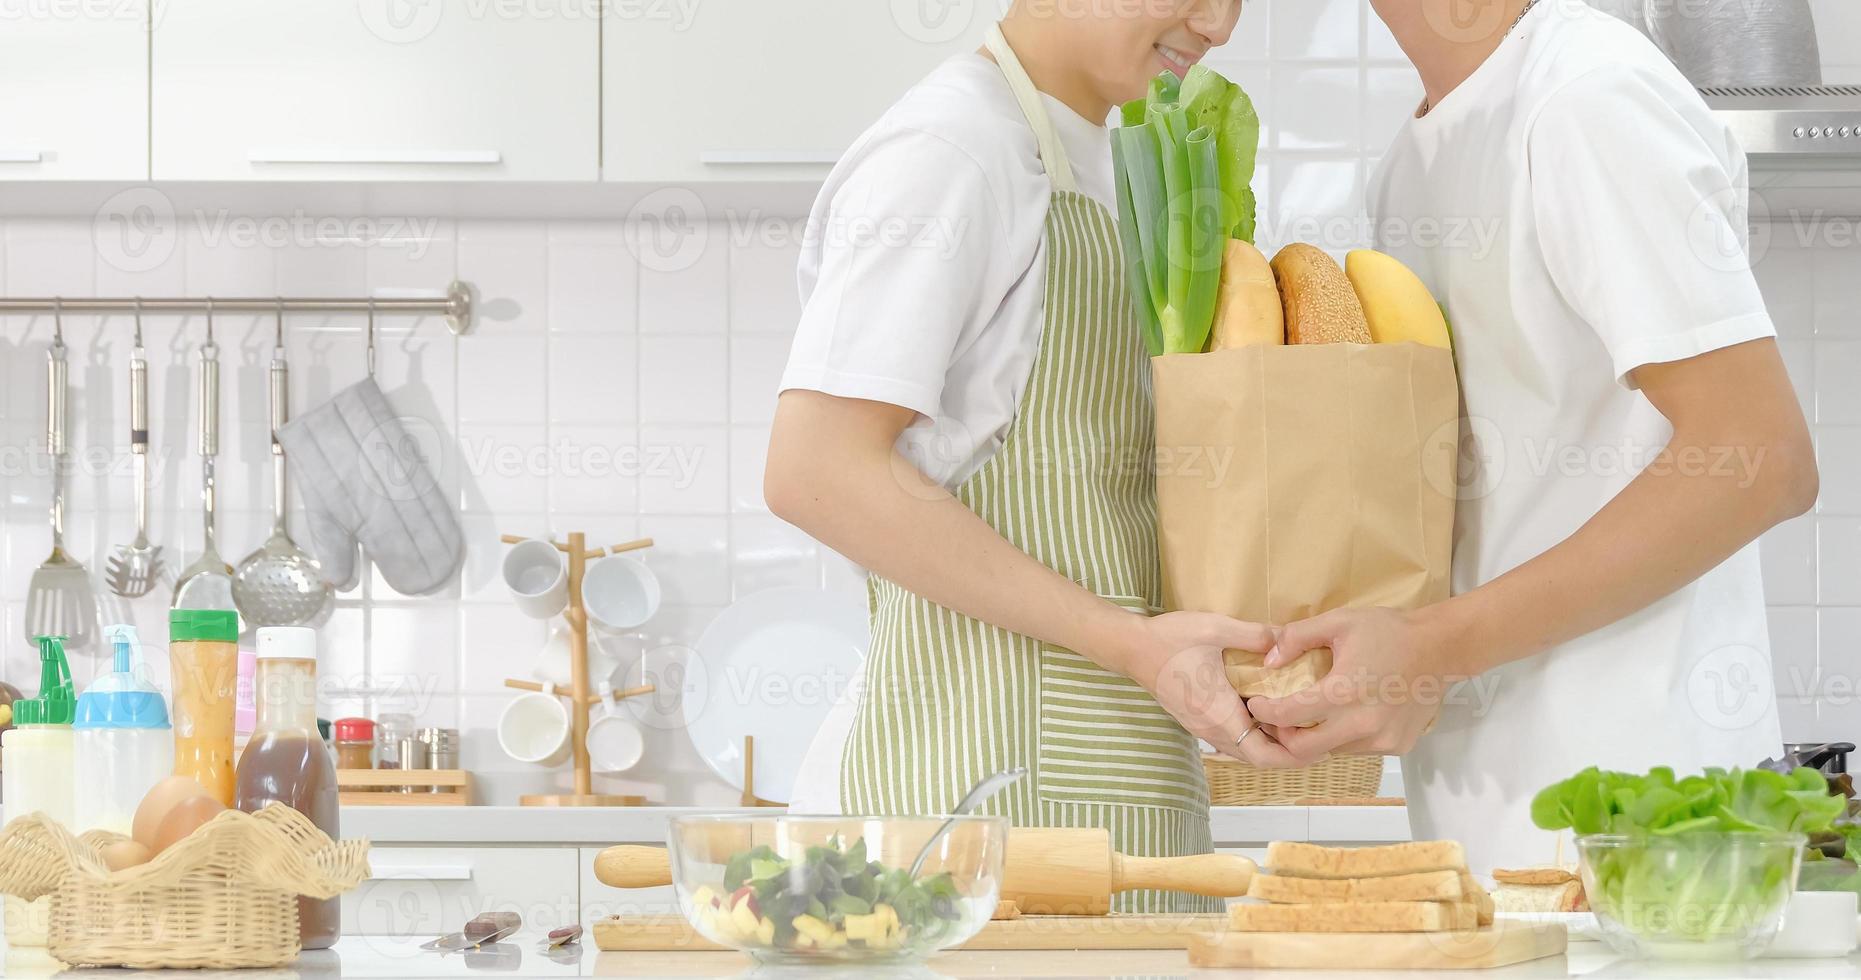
(1233, 826)
(618, 825)
(357, 957)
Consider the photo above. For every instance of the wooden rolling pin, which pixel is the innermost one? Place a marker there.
(1048, 872)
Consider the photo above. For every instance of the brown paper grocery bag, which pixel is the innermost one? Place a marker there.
(1294, 480)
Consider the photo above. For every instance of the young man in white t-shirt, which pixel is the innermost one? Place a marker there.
(1630, 432)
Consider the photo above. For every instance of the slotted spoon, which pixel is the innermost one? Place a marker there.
(59, 600)
(134, 567)
(279, 584)
(208, 582)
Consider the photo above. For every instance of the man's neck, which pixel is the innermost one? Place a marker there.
(1447, 40)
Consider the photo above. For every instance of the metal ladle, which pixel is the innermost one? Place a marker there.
(977, 795)
(134, 567)
(208, 582)
(280, 584)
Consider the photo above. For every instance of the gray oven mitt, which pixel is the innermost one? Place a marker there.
(365, 479)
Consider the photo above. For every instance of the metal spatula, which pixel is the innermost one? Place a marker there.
(208, 582)
(59, 600)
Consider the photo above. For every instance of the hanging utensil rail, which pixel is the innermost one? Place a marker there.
(456, 306)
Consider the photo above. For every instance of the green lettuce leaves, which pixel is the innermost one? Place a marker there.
(1750, 800)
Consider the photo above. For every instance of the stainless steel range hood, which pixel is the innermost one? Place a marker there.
(1815, 126)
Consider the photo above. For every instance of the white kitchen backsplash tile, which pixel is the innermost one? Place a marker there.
(1788, 554)
(1838, 449)
(1316, 109)
(592, 379)
(1314, 29)
(1793, 652)
(684, 379)
(1838, 381)
(684, 273)
(1838, 561)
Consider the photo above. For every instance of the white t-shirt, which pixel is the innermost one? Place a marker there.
(1579, 213)
(923, 273)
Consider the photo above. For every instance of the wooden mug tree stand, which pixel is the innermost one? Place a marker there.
(579, 696)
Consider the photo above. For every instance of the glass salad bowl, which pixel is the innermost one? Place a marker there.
(1702, 895)
(837, 889)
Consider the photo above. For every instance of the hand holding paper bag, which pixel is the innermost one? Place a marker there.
(1339, 490)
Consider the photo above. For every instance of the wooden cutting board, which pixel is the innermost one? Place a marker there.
(640, 933)
(1501, 945)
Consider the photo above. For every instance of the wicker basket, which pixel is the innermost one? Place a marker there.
(1235, 783)
(224, 897)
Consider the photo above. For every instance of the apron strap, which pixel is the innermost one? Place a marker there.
(1052, 151)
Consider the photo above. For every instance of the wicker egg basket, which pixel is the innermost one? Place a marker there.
(225, 897)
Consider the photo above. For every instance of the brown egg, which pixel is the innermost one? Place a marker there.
(121, 854)
(160, 799)
(184, 819)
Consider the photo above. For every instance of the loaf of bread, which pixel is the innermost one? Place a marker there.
(1320, 305)
(1247, 305)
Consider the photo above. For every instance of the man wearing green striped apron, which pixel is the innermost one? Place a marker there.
(1063, 474)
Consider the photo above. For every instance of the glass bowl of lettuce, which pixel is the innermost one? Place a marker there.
(1698, 895)
(837, 889)
(1697, 867)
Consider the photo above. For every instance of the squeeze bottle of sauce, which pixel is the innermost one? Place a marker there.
(286, 761)
(37, 774)
(203, 659)
(123, 742)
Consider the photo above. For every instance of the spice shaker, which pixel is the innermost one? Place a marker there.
(442, 750)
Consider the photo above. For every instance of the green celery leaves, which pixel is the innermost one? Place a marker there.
(1183, 161)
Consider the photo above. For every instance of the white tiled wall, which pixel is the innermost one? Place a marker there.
(596, 395)
(625, 398)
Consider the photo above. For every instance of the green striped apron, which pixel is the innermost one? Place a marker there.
(949, 699)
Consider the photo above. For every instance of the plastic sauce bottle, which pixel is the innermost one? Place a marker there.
(123, 742)
(203, 660)
(37, 775)
(286, 760)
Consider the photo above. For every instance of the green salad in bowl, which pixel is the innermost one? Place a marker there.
(1689, 867)
(837, 888)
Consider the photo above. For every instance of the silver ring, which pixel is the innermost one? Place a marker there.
(1250, 730)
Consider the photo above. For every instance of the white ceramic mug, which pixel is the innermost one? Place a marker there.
(535, 728)
(620, 593)
(615, 743)
(555, 665)
(537, 575)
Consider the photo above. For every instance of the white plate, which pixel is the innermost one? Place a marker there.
(773, 664)
(1581, 925)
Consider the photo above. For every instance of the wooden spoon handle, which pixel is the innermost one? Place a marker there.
(1213, 875)
(633, 866)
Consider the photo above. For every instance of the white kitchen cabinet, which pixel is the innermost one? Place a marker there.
(763, 89)
(375, 90)
(419, 891)
(74, 91)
